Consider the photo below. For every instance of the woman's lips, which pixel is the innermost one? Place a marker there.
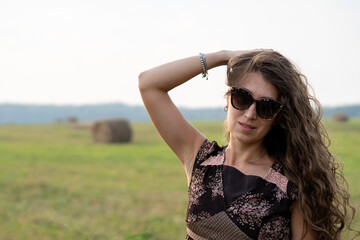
(246, 127)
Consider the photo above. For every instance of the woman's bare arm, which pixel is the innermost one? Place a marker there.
(154, 85)
(297, 225)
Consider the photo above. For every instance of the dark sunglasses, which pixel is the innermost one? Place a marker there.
(242, 99)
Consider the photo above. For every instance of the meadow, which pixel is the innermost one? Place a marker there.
(56, 184)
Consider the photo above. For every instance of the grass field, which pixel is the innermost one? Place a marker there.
(56, 184)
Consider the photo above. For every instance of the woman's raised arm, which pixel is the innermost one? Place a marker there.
(154, 85)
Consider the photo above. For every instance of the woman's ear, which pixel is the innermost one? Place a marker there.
(227, 103)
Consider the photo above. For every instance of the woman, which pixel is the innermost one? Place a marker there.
(276, 179)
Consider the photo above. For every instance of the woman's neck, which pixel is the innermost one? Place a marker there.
(238, 152)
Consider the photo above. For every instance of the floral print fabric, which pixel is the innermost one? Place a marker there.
(260, 208)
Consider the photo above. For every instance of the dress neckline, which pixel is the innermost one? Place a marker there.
(252, 175)
(272, 167)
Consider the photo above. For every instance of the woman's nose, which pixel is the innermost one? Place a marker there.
(250, 113)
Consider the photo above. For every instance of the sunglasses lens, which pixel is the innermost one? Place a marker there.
(241, 99)
(267, 108)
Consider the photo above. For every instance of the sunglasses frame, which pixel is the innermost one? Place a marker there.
(233, 90)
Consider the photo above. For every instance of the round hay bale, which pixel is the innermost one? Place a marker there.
(340, 117)
(111, 131)
(72, 119)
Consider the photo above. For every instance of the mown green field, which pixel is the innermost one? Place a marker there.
(56, 184)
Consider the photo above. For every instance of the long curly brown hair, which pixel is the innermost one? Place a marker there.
(299, 142)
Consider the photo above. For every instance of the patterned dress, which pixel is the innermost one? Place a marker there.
(226, 204)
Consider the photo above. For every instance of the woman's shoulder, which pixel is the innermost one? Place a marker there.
(208, 149)
(278, 176)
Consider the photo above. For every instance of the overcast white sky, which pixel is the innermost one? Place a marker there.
(91, 51)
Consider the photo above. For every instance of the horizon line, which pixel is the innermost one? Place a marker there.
(141, 105)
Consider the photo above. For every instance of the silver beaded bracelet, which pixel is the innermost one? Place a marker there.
(204, 66)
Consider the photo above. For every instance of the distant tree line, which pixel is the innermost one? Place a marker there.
(21, 113)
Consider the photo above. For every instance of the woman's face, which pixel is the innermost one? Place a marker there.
(246, 126)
